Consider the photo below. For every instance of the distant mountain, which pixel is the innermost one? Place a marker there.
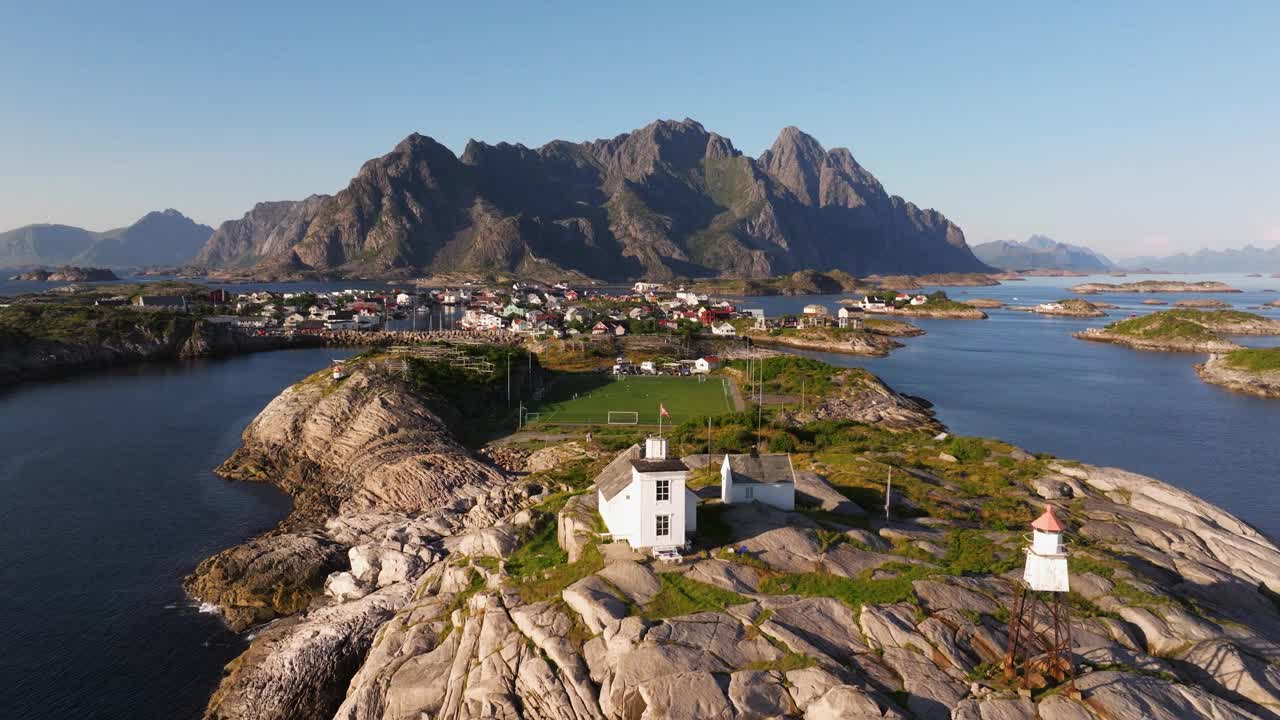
(158, 238)
(670, 199)
(1248, 259)
(1040, 253)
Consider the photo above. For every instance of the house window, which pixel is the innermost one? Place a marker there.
(662, 527)
(663, 490)
(751, 492)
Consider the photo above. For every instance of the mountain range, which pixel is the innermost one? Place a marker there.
(1248, 259)
(670, 199)
(1040, 253)
(159, 238)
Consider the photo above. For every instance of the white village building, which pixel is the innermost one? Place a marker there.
(768, 478)
(643, 499)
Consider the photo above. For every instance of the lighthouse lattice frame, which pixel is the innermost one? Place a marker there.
(1040, 643)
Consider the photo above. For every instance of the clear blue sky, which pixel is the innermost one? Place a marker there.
(1131, 126)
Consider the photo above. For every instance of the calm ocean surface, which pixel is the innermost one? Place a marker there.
(1022, 378)
(110, 499)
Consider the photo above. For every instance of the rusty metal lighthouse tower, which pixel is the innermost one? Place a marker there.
(1040, 624)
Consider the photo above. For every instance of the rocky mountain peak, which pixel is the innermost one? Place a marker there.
(795, 160)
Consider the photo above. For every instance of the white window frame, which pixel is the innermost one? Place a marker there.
(662, 526)
(662, 491)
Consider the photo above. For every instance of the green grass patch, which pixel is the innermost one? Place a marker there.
(853, 592)
(682, 596)
(1257, 360)
(588, 398)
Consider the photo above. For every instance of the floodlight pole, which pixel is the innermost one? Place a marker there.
(888, 495)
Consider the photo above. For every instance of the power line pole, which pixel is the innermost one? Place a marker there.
(508, 379)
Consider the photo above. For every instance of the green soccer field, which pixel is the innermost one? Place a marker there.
(598, 395)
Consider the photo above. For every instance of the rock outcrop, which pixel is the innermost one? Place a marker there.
(363, 445)
(863, 397)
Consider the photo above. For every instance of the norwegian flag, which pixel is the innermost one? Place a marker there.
(662, 410)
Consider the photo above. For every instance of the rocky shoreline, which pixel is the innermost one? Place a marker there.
(23, 359)
(920, 311)
(1217, 370)
(428, 610)
(1156, 344)
(869, 344)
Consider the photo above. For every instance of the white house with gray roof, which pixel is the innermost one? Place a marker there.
(768, 478)
(643, 499)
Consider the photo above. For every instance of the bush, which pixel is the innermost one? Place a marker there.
(782, 443)
(968, 450)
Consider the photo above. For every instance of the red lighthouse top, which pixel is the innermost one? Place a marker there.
(1048, 522)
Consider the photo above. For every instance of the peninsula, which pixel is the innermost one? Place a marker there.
(418, 578)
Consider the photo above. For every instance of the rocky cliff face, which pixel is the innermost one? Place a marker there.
(360, 445)
(268, 230)
(668, 199)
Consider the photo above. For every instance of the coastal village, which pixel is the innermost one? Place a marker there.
(528, 309)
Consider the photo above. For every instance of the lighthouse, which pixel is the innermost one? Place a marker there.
(1040, 644)
(1046, 569)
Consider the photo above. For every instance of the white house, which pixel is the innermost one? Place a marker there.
(869, 303)
(847, 318)
(769, 478)
(643, 499)
(723, 328)
(706, 364)
(404, 299)
(919, 299)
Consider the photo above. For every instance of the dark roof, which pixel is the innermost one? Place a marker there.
(668, 465)
(764, 469)
(617, 474)
(163, 300)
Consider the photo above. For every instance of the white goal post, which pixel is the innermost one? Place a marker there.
(531, 417)
(623, 417)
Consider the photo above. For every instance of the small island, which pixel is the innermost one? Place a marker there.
(68, 274)
(1202, 303)
(1153, 301)
(985, 303)
(1154, 286)
(1072, 307)
(934, 305)
(915, 282)
(1250, 370)
(1183, 330)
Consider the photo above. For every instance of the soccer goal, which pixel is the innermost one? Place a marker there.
(623, 417)
(531, 417)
